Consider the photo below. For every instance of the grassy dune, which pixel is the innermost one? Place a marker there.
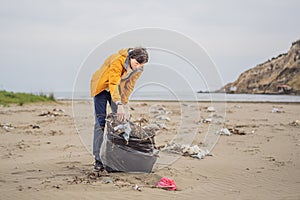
(7, 98)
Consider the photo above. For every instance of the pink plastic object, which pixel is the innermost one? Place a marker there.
(167, 184)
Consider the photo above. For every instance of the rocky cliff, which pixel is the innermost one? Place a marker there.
(278, 75)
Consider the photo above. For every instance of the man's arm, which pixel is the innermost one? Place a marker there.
(115, 73)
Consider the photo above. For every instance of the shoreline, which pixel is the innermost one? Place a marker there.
(204, 101)
(188, 96)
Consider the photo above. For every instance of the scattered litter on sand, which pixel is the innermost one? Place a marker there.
(187, 150)
(277, 110)
(155, 126)
(207, 120)
(152, 126)
(35, 126)
(295, 123)
(107, 181)
(157, 109)
(54, 113)
(237, 131)
(163, 117)
(210, 109)
(223, 131)
(167, 184)
(58, 110)
(141, 120)
(7, 126)
(136, 187)
(202, 154)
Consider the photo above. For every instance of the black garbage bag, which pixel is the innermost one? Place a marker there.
(136, 154)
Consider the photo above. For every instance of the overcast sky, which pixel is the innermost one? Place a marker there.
(43, 43)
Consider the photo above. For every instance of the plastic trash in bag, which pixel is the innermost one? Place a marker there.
(128, 147)
(126, 128)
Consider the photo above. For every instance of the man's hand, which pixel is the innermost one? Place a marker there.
(121, 113)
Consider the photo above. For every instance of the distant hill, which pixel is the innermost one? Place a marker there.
(280, 75)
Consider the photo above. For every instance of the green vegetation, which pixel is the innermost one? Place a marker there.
(7, 98)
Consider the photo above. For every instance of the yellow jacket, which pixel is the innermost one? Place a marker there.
(112, 75)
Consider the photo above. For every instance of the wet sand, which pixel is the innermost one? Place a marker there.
(43, 157)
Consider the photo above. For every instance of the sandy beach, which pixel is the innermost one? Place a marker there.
(43, 157)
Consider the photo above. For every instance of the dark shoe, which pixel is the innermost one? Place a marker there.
(98, 166)
(109, 169)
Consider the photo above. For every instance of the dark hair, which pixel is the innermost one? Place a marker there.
(140, 54)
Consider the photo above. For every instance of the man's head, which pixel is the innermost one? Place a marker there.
(138, 57)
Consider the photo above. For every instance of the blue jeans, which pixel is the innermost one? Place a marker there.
(100, 105)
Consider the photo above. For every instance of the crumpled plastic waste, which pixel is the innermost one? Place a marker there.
(295, 123)
(223, 131)
(167, 184)
(190, 150)
(187, 150)
(7, 126)
(276, 110)
(163, 117)
(210, 109)
(201, 154)
(126, 128)
(207, 120)
(136, 187)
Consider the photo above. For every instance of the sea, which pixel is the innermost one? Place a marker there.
(191, 96)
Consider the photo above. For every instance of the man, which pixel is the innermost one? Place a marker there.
(113, 82)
